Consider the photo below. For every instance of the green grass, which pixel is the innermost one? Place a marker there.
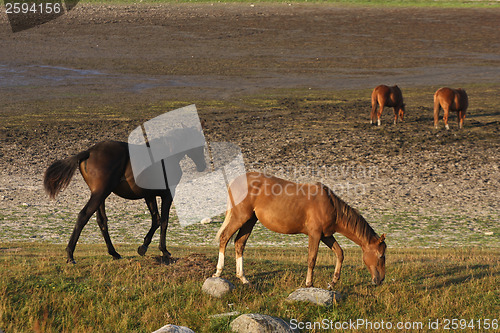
(40, 292)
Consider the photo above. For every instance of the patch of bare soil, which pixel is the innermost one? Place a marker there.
(100, 71)
(195, 265)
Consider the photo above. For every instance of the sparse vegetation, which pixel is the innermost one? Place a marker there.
(40, 292)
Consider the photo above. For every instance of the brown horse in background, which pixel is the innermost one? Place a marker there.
(387, 96)
(291, 208)
(106, 168)
(450, 100)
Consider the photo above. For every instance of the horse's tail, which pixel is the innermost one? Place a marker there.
(437, 104)
(224, 225)
(58, 176)
(374, 99)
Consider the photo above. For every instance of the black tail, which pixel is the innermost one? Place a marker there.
(58, 176)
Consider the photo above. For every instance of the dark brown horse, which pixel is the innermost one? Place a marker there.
(387, 96)
(291, 208)
(106, 168)
(450, 100)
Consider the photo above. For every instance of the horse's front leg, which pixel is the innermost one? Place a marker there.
(311, 259)
(461, 118)
(396, 113)
(332, 243)
(155, 224)
(166, 203)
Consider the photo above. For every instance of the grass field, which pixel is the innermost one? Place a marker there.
(39, 292)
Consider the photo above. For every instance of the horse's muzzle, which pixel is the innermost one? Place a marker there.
(201, 166)
(377, 281)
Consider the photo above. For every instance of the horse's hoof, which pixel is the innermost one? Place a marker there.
(168, 260)
(71, 261)
(142, 250)
(117, 257)
(247, 285)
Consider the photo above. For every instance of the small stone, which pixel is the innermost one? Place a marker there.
(174, 329)
(258, 323)
(223, 315)
(315, 295)
(217, 287)
(206, 220)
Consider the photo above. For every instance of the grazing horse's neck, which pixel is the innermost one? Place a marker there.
(350, 223)
(360, 239)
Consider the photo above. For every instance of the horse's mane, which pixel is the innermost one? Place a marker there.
(349, 217)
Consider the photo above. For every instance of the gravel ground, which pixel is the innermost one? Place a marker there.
(100, 71)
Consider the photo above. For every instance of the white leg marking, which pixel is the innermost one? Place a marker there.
(220, 265)
(378, 122)
(239, 270)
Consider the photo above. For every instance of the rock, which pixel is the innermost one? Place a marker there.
(217, 287)
(223, 315)
(206, 220)
(258, 323)
(174, 329)
(315, 295)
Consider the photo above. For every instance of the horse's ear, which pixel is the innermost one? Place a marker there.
(381, 239)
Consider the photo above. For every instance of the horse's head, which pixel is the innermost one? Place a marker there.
(197, 154)
(374, 258)
(402, 111)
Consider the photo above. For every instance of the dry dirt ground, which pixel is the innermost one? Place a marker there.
(290, 84)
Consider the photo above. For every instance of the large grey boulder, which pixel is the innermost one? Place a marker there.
(217, 287)
(315, 295)
(174, 329)
(258, 323)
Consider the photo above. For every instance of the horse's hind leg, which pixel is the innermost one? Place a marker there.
(96, 199)
(155, 224)
(166, 203)
(437, 106)
(234, 221)
(102, 221)
(379, 113)
(373, 114)
(332, 243)
(239, 247)
(446, 110)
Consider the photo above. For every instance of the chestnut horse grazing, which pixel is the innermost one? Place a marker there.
(387, 96)
(291, 208)
(106, 168)
(450, 100)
